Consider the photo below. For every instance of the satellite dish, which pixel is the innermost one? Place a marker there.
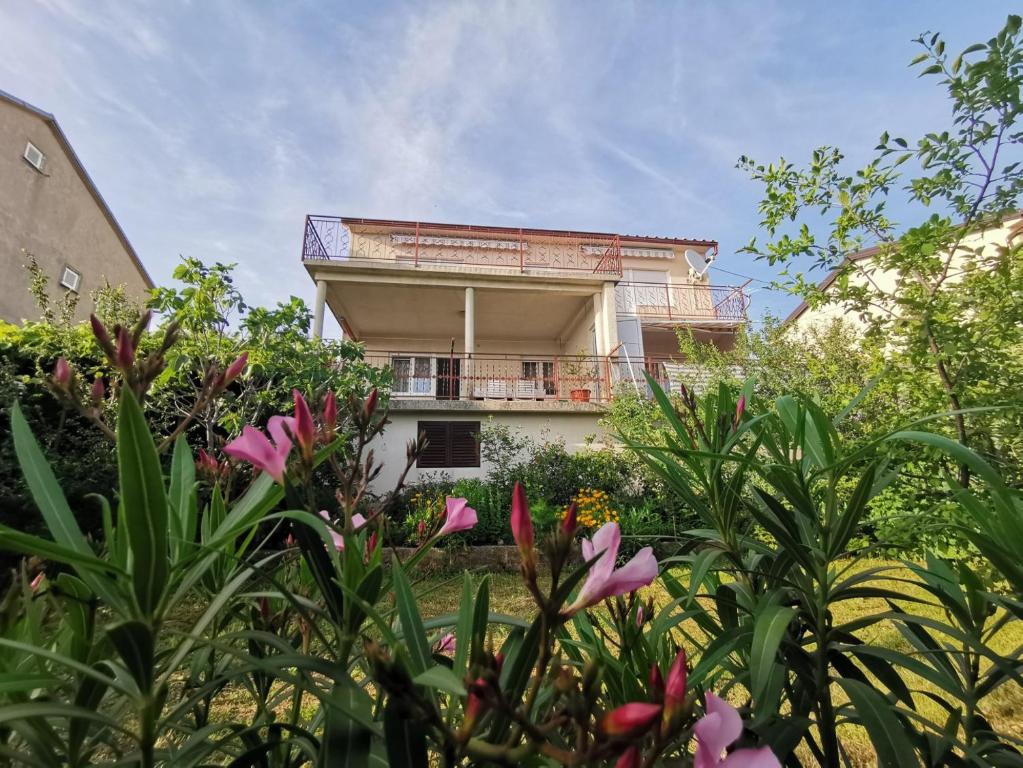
(698, 265)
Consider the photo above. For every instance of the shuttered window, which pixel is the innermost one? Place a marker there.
(450, 444)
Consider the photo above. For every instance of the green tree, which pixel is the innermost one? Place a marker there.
(952, 316)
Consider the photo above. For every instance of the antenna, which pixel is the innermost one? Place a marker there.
(698, 265)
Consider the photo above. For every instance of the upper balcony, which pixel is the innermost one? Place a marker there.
(378, 243)
(696, 303)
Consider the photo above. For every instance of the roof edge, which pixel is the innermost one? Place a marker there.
(524, 230)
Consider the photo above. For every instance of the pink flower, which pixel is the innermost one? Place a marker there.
(522, 528)
(458, 516)
(98, 390)
(302, 427)
(603, 580)
(630, 719)
(339, 541)
(719, 729)
(446, 644)
(255, 448)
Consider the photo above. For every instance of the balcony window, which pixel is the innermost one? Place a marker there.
(412, 375)
(542, 373)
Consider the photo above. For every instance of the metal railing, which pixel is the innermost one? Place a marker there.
(660, 301)
(327, 238)
(483, 376)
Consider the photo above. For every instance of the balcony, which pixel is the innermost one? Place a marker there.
(695, 303)
(457, 247)
(496, 378)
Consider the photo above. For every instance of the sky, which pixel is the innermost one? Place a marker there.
(212, 128)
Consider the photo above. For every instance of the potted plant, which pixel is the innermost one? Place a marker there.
(579, 372)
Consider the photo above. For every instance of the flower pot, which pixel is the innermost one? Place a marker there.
(580, 395)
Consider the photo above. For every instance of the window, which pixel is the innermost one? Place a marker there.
(449, 444)
(34, 156)
(71, 278)
(412, 375)
(541, 372)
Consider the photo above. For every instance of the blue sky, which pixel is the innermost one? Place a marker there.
(212, 128)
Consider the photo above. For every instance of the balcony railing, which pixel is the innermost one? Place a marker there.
(660, 301)
(508, 377)
(328, 238)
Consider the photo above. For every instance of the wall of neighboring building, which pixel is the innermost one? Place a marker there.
(575, 430)
(52, 215)
(978, 245)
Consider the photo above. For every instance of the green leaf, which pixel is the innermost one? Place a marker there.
(405, 737)
(768, 631)
(183, 503)
(413, 632)
(463, 630)
(346, 738)
(135, 645)
(144, 500)
(885, 728)
(441, 678)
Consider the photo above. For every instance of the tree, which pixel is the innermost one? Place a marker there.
(952, 317)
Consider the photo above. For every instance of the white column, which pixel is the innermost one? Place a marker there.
(610, 313)
(319, 308)
(598, 323)
(468, 389)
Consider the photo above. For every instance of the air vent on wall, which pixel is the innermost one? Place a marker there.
(71, 279)
(34, 156)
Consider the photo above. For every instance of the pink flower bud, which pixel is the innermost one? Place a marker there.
(371, 403)
(421, 529)
(37, 581)
(330, 414)
(630, 758)
(125, 356)
(62, 373)
(656, 683)
(522, 529)
(98, 390)
(234, 370)
(570, 521)
(305, 432)
(675, 688)
(740, 409)
(102, 337)
(630, 719)
(371, 545)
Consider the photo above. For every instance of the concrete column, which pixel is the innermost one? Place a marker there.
(319, 308)
(610, 312)
(598, 323)
(469, 386)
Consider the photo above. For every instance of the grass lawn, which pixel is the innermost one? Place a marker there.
(1004, 707)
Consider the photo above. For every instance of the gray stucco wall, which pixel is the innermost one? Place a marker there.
(53, 216)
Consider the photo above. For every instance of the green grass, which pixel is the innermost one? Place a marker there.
(1004, 707)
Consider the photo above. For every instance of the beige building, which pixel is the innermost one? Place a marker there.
(50, 208)
(864, 272)
(535, 328)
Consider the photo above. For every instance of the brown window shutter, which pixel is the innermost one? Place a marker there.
(449, 444)
(435, 455)
(465, 446)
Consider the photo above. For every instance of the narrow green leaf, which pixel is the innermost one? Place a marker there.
(463, 630)
(441, 678)
(887, 732)
(346, 739)
(144, 500)
(412, 629)
(768, 631)
(135, 645)
(405, 737)
(184, 506)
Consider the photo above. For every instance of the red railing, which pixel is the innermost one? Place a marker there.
(660, 301)
(482, 376)
(409, 244)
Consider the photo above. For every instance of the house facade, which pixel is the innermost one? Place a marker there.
(50, 209)
(865, 273)
(534, 328)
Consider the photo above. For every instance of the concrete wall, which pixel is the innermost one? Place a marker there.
(53, 216)
(571, 427)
